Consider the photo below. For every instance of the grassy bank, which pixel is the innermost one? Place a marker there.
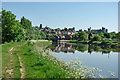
(10, 63)
(33, 60)
(37, 63)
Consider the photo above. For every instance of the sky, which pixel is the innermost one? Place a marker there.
(80, 15)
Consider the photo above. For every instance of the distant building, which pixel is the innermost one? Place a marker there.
(97, 30)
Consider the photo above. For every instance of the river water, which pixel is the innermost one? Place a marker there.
(90, 55)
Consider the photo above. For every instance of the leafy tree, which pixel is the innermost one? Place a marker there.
(80, 36)
(36, 27)
(26, 23)
(11, 28)
(102, 35)
(75, 36)
(47, 28)
(89, 36)
(113, 35)
(52, 37)
(118, 35)
(65, 29)
(94, 32)
(35, 34)
(86, 31)
(97, 38)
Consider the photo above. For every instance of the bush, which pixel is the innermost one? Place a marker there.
(97, 38)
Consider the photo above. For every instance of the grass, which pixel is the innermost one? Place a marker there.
(38, 65)
(10, 63)
(0, 61)
(38, 62)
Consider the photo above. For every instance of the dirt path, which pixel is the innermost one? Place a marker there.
(22, 69)
(11, 50)
(38, 40)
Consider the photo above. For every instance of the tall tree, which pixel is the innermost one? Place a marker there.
(26, 23)
(40, 26)
(11, 28)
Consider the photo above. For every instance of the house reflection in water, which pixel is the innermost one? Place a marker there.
(62, 47)
(68, 48)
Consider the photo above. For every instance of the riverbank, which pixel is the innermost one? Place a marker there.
(30, 60)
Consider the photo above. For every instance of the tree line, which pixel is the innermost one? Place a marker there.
(13, 30)
(83, 36)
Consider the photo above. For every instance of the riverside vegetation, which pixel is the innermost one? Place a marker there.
(22, 58)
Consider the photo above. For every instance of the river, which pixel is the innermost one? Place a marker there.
(90, 55)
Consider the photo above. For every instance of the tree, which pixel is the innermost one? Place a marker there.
(96, 38)
(65, 29)
(11, 28)
(89, 36)
(118, 35)
(102, 35)
(26, 23)
(36, 27)
(47, 28)
(107, 35)
(80, 36)
(40, 26)
(113, 35)
(75, 36)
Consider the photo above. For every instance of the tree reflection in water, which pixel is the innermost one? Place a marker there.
(70, 48)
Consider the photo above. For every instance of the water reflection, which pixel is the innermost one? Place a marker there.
(70, 48)
(62, 47)
(89, 55)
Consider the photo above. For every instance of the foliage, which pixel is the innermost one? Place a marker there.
(118, 35)
(52, 37)
(81, 36)
(107, 35)
(11, 28)
(47, 28)
(97, 38)
(26, 23)
(113, 35)
(34, 34)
